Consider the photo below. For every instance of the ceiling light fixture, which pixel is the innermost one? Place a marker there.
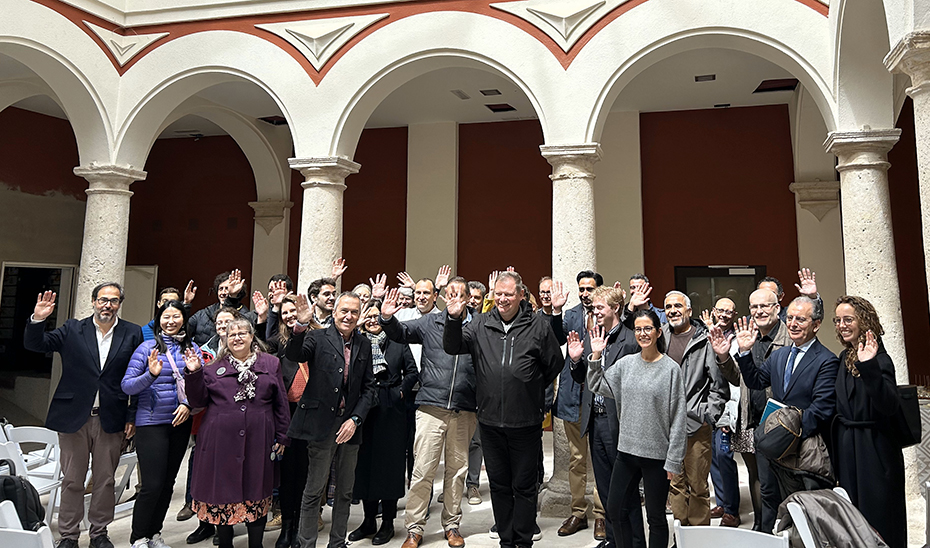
(460, 94)
(705, 78)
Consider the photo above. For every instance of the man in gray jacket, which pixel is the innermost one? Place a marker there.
(445, 420)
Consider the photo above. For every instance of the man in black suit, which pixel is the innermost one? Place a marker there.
(338, 396)
(89, 410)
(801, 375)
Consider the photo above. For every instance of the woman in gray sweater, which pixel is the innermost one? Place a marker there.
(651, 406)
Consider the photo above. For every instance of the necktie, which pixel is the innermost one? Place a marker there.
(789, 367)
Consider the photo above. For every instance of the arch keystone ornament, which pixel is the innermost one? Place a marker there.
(319, 39)
(270, 213)
(124, 48)
(563, 21)
(818, 197)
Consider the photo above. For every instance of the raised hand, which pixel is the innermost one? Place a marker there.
(154, 363)
(720, 343)
(618, 285)
(378, 286)
(745, 333)
(406, 280)
(707, 318)
(261, 305)
(492, 279)
(190, 292)
(235, 282)
(304, 311)
(389, 306)
(640, 298)
(192, 359)
(339, 267)
(442, 277)
(598, 339)
(455, 303)
(45, 305)
(575, 347)
(808, 285)
(278, 292)
(559, 297)
(868, 350)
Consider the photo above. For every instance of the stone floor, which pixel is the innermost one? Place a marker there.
(475, 524)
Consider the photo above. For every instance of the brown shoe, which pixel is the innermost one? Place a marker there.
(729, 520)
(600, 529)
(572, 525)
(413, 540)
(716, 512)
(455, 539)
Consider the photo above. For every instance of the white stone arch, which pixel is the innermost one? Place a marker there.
(863, 87)
(393, 55)
(14, 91)
(72, 68)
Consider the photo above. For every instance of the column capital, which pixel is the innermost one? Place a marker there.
(862, 149)
(109, 178)
(911, 56)
(325, 171)
(270, 213)
(818, 197)
(572, 161)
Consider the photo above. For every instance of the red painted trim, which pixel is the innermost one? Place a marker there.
(396, 12)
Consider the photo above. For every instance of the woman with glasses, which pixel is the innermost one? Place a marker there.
(156, 375)
(866, 461)
(242, 436)
(379, 474)
(650, 397)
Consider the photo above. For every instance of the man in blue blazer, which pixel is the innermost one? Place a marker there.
(89, 411)
(801, 375)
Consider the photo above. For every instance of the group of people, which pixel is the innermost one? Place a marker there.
(345, 395)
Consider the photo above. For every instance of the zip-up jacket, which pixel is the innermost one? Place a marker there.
(445, 381)
(512, 368)
(158, 396)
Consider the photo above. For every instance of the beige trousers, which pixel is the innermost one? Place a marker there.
(689, 493)
(578, 472)
(440, 434)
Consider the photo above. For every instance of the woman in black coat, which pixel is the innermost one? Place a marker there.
(868, 464)
(379, 474)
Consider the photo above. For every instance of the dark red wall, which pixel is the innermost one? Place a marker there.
(191, 215)
(38, 154)
(505, 201)
(908, 245)
(715, 191)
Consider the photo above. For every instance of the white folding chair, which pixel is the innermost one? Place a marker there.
(45, 486)
(704, 536)
(799, 519)
(12, 533)
(42, 462)
(121, 483)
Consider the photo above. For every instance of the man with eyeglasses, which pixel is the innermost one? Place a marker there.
(807, 286)
(89, 410)
(802, 375)
(770, 335)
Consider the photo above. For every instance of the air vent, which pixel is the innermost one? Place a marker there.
(490, 92)
(274, 120)
(705, 78)
(781, 84)
(722, 105)
(500, 107)
(460, 94)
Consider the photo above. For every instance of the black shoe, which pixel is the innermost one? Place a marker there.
(365, 530)
(203, 532)
(68, 543)
(285, 539)
(101, 541)
(385, 533)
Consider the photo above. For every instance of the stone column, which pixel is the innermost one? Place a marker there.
(911, 56)
(270, 242)
(321, 221)
(106, 229)
(573, 250)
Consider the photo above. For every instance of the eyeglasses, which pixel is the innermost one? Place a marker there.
(645, 330)
(724, 311)
(757, 307)
(241, 335)
(847, 320)
(800, 320)
(103, 301)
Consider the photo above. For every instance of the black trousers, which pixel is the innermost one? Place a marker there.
(603, 443)
(624, 495)
(771, 494)
(160, 449)
(511, 456)
(294, 466)
(388, 510)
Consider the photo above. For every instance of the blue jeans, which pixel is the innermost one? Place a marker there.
(724, 475)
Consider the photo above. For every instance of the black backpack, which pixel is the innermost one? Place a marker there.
(24, 497)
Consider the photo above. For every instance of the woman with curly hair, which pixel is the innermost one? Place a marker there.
(866, 461)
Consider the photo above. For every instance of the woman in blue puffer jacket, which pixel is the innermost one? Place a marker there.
(156, 375)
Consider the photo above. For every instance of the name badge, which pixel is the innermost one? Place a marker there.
(221, 371)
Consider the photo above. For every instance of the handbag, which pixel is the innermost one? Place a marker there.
(780, 434)
(905, 425)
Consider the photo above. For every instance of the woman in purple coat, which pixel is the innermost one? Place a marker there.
(245, 420)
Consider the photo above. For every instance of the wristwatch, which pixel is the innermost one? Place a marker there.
(356, 420)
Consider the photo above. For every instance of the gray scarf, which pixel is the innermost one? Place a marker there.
(378, 363)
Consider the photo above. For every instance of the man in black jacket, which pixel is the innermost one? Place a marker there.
(516, 356)
(445, 419)
(339, 393)
(89, 410)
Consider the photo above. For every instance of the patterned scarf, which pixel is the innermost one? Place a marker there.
(246, 379)
(378, 363)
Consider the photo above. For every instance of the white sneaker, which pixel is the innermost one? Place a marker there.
(157, 542)
(140, 543)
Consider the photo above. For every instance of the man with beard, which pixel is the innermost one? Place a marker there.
(322, 295)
